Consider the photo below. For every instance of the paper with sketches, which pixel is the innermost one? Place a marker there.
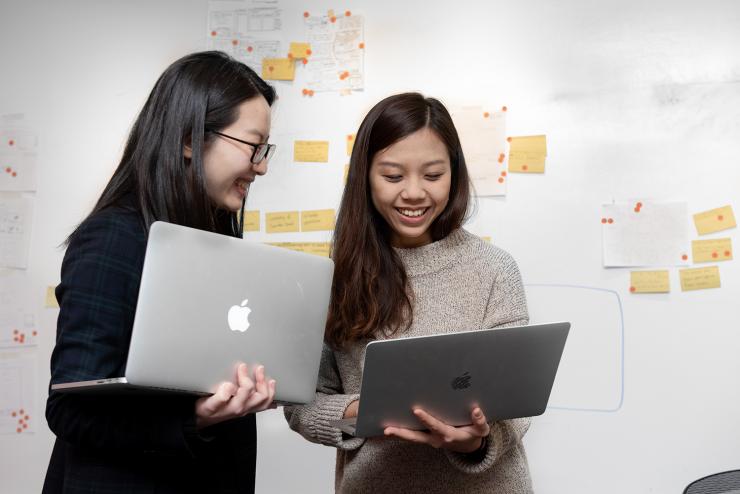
(712, 250)
(650, 282)
(699, 278)
(17, 323)
(15, 230)
(483, 139)
(317, 220)
(17, 392)
(18, 145)
(250, 31)
(714, 220)
(641, 233)
(337, 52)
(282, 222)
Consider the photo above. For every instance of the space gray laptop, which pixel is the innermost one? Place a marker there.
(507, 372)
(208, 301)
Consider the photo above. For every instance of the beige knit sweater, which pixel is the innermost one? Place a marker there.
(459, 283)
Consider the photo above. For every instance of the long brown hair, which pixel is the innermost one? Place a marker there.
(369, 292)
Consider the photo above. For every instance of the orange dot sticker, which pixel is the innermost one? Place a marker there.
(503, 108)
(333, 19)
(503, 173)
(305, 61)
(501, 157)
(13, 414)
(486, 114)
(603, 221)
(720, 217)
(213, 33)
(685, 257)
(306, 14)
(362, 46)
(308, 51)
(350, 137)
(632, 289)
(727, 253)
(11, 142)
(305, 91)
(525, 167)
(290, 55)
(14, 174)
(610, 221)
(8, 170)
(347, 13)
(500, 180)
(508, 139)
(234, 42)
(250, 49)
(715, 255)
(35, 333)
(19, 430)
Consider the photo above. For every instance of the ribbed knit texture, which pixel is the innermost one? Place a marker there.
(459, 283)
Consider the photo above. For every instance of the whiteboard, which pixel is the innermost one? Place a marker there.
(637, 100)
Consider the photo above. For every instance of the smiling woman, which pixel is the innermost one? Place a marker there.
(405, 267)
(177, 167)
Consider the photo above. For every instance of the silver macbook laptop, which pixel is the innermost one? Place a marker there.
(208, 302)
(507, 372)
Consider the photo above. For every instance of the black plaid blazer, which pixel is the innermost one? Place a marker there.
(135, 443)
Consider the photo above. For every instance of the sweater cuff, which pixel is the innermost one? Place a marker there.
(332, 408)
(478, 461)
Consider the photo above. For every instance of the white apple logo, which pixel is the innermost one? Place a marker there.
(239, 317)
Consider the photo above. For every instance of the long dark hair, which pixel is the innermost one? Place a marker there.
(197, 92)
(369, 291)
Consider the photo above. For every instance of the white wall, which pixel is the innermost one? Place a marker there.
(637, 99)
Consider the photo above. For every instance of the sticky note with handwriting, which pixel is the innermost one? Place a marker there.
(282, 222)
(278, 69)
(714, 220)
(311, 151)
(712, 250)
(251, 221)
(649, 282)
(317, 220)
(699, 278)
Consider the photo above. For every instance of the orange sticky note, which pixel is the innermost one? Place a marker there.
(251, 221)
(317, 220)
(714, 220)
(699, 278)
(282, 222)
(650, 282)
(299, 51)
(278, 69)
(712, 250)
(311, 151)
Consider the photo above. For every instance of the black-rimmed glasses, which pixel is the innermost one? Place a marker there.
(260, 151)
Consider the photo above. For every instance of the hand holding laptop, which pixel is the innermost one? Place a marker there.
(232, 401)
(461, 439)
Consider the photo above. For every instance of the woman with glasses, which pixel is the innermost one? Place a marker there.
(196, 146)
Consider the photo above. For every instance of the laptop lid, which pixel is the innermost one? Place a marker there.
(208, 301)
(508, 372)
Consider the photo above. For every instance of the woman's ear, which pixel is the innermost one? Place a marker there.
(188, 151)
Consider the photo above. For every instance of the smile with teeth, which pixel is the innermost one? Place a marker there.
(242, 184)
(412, 213)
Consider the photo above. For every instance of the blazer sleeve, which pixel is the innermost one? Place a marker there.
(506, 307)
(99, 286)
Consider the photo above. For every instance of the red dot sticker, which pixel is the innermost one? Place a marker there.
(35, 333)
(11, 142)
(213, 33)
(603, 221)
(306, 14)
(250, 49)
(13, 414)
(14, 174)
(19, 430)
(633, 289)
(305, 61)
(685, 257)
(8, 170)
(610, 221)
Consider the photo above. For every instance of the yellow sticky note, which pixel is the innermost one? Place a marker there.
(278, 69)
(51, 299)
(649, 282)
(346, 173)
(525, 162)
(350, 143)
(299, 50)
(311, 151)
(699, 278)
(714, 220)
(251, 221)
(316, 248)
(528, 144)
(282, 222)
(317, 220)
(486, 239)
(716, 249)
